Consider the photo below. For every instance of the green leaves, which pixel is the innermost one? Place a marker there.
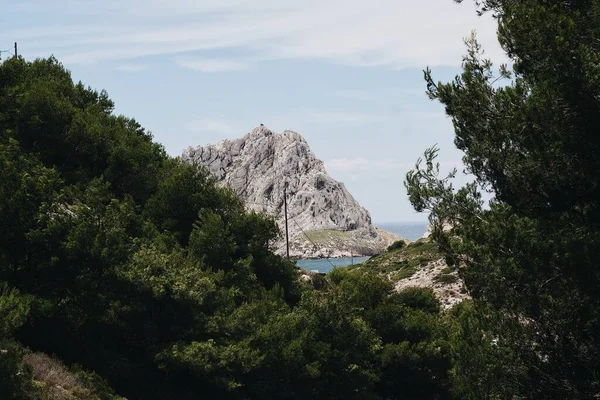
(14, 309)
(137, 266)
(129, 259)
(531, 255)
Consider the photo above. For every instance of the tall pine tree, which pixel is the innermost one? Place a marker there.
(531, 258)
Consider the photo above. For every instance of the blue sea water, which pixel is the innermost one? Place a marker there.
(323, 265)
(409, 230)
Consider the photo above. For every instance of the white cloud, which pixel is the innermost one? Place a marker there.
(132, 67)
(210, 65)
(389, 33)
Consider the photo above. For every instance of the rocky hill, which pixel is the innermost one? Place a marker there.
(324, 219)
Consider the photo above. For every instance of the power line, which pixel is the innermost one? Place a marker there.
(5, 51)
(308, 238)
(299, 227)
(10, 51)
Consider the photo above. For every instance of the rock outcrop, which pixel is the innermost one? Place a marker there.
(324, 220)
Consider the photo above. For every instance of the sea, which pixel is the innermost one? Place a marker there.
(409, 230)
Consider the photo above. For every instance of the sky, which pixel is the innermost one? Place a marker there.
(347, 75)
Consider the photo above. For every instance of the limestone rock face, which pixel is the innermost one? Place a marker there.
(324, 219)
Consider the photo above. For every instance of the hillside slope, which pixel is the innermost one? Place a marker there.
(419, 264)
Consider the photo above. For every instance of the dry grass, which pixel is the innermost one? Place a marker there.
(51, 372)
(54, 380)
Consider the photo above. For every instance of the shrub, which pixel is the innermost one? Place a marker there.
(14, 378)
(447, 270)
(418, 298)
(404, 273)
(397, 245)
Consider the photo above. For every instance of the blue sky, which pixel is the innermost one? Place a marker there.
(347, 75)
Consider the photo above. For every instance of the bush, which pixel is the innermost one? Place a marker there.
(15, 382)
(418, 298)
(404, 273)
(447, 270)
(397, 245)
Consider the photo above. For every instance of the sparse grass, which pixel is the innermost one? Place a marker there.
(322, 236)
(445, 278)
(54, 381)
(403, 273)
(421, 246)
(49, 371)
(354, 267)
(376, 259)
(447, 270)
(401, 262)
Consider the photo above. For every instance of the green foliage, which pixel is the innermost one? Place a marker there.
(404, 261)
(15, 379)
(447, 270)
(14, 309)
(180, 195)
(397, 245)
(120, 260)
(485, 360)
(405, 271)
(531, 256)
(419, 298)
(96, 222)
(71, 128)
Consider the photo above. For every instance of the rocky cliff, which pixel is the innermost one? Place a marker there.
(324, 219)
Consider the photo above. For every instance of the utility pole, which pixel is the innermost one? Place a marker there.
(287, 239)
(16, 54)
